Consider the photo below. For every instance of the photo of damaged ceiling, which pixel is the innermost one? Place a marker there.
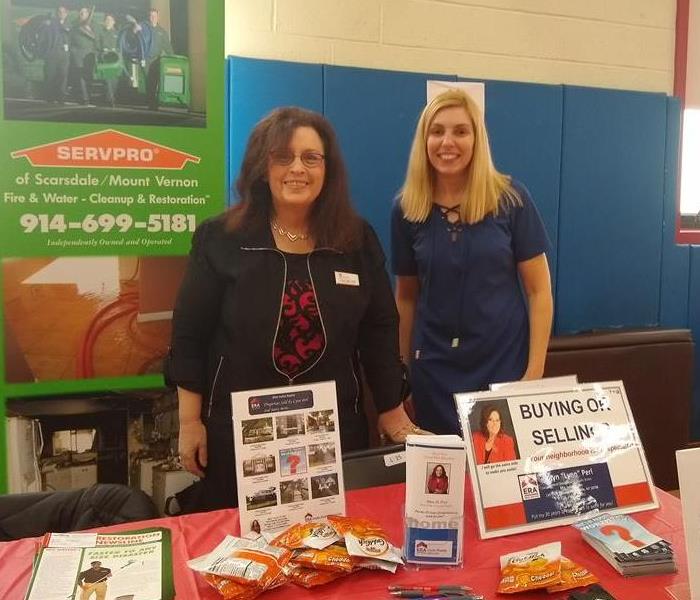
(84, 317)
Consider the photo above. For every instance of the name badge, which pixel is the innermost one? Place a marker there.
(346, 278)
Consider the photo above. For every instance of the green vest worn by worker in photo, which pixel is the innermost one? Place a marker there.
(107, 40)
(82, 44)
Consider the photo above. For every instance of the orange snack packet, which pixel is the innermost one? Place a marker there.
(312, 577)
(232, 590)
(572, 576)
(248, 562)
(530, 569)
(315, 534)
(334, 558)
(365, 538)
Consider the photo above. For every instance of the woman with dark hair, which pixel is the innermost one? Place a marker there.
(438, 482)
(491, 444)
(287, 287)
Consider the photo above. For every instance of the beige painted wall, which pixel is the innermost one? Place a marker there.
(624, 44)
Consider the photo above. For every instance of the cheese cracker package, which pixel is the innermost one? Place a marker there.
(365, 538)
(248, 562)
(311, 577)
(232, 590)
(316, 534)
(333, 558)
(572, 576)
(531, 569)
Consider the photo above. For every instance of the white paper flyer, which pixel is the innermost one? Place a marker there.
(288, 455)
(435, 472)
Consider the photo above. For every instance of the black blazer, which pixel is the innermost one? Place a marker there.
(227, 313)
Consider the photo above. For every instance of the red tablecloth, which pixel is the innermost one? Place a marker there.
(194, 535)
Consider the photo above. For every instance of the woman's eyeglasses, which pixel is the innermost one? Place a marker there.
(309, 158)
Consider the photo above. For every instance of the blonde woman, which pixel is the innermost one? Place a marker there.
(464, 239)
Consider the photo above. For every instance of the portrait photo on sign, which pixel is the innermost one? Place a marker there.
(257, 431)
(295, 490)
(112, 62)
(492, 433)
(320, 421)
(323, 486)
(437, 480)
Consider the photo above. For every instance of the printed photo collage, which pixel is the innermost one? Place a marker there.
(290, 458)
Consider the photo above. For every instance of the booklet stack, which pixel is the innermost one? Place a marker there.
(127, 564)
(627, 545)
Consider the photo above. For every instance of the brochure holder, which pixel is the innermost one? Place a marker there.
(434, 510)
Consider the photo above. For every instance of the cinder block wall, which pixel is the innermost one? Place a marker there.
(623, 44)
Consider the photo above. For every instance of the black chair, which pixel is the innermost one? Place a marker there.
(367, 468)
(34, 514)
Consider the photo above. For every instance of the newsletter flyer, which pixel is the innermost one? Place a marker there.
(542, 458)
(132, 564)
(288, 455)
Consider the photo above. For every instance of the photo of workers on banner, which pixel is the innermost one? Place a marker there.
(109, 61)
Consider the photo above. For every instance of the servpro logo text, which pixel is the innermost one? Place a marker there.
(90, 153)
(107, 149)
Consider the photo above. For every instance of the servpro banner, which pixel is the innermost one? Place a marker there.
(544, 457)
(112, 151)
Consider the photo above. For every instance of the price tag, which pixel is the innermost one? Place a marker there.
(396, 458)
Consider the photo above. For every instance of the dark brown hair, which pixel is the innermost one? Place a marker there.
(333, 221)
(485, 414)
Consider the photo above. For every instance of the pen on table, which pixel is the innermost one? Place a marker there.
(430, 588)
(443, 594)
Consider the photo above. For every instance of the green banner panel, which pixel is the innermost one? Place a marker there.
(112, 151)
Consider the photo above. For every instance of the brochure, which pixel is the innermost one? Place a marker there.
(629, 547)
(288, 455)
(435, 467)
(131, 564)
(543, 457)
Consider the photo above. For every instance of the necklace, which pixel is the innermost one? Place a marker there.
(292, 237)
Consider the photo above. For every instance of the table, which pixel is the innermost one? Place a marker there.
(193, 535)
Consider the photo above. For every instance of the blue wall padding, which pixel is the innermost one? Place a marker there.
(694, 324)
(524, 124)
(601, 166)
(611, 209)
(257, 86)
(675, 259)
(374, 114)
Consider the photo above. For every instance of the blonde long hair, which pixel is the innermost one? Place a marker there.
(486, 190)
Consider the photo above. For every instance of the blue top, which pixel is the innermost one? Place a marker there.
(471, 325)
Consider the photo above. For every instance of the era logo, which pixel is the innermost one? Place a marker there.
(529, 487)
